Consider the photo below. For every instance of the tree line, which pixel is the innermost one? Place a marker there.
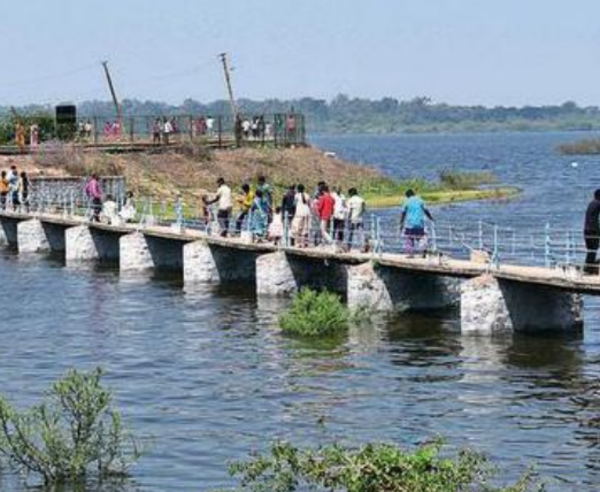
(344, 114)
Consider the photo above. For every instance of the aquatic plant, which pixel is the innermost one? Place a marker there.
(73, 434)
(371, 468)
(315, 314)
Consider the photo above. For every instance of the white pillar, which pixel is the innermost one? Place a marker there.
(134, 253)
(199, 265)
(31, 237)
(274, 275)
(483, 309)
(79, 245)
(366, 289)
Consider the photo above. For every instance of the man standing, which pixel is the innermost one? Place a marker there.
(412, 220)
(356, 211)
(591, 233)
(245, 201)
(223, 197)
(325, 207)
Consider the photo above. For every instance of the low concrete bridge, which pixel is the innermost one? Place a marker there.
(491, 297)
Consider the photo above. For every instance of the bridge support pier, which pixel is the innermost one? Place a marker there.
(199, 265)
(83, 243)
(489, 305)
(138, 252)
(381, 288)
(274, 275)
(9, 231)
(31, 237)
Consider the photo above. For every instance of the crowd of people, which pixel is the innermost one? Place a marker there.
(325, 217)
(15, 188)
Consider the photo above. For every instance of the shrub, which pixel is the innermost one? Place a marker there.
(73, 433)
(371, 468)
(461, 180)
(315, 314)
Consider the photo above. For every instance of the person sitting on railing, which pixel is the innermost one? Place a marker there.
(128, 212)
(412, 221)
(591, 234)
(110, 214)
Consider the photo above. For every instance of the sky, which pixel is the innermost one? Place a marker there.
(488, 52)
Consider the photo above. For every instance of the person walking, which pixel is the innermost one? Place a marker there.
(356, 211)
(591, 234)
(412, 221)
(301, 220)
(93, 191)
(23, 190)
(325, 208)
(288, 204)
(4, 189)
(13, 185)
(339, 215)
(245, 201)
(224, 206)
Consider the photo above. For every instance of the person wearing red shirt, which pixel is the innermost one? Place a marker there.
(325, 207)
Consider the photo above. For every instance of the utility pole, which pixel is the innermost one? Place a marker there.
(113, 93)
(234, 111)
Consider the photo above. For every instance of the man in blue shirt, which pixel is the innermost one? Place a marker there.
(412, 220)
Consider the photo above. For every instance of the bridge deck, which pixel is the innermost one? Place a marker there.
(558, 278)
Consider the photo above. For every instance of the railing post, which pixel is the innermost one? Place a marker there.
(547, 247)
(434, 238)
(496, 253)
(179, 213)
(480, 233)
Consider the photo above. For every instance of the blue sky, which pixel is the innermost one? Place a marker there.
(510, 52)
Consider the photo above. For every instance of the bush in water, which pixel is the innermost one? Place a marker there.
(73, 433)
(315, 314)
(371, 468)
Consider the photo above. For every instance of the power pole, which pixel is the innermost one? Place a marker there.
(234, 111)
(113, 93)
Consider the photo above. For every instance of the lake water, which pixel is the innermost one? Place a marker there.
(205, 377)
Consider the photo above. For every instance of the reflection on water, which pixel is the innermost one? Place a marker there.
(205, 375)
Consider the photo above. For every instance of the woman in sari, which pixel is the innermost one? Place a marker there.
(259, 214)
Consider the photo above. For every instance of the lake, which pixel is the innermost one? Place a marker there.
(205, 377)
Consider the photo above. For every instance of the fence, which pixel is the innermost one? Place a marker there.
(557, 248)
(280, 130)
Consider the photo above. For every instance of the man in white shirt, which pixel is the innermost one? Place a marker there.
(356, 209)
(210, 125)
(224, 206)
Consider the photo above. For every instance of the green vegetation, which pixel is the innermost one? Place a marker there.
(345, 114)
(583, 147)
(8, 125)
(371, 468)
(314, 314)
(72, 435)
(452, 186)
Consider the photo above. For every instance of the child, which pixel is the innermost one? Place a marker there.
(276, 227)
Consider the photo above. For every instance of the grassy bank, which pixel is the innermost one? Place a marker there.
(191, 172)
(582, 147)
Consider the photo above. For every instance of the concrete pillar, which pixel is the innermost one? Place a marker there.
(366, 289)
(80, 245)
(489, 305)
(483, 309)
(31, 237)
(3, 238)
(134, 253)
(9, 229)
(390, 289)
(199, 265)
(274, 275)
